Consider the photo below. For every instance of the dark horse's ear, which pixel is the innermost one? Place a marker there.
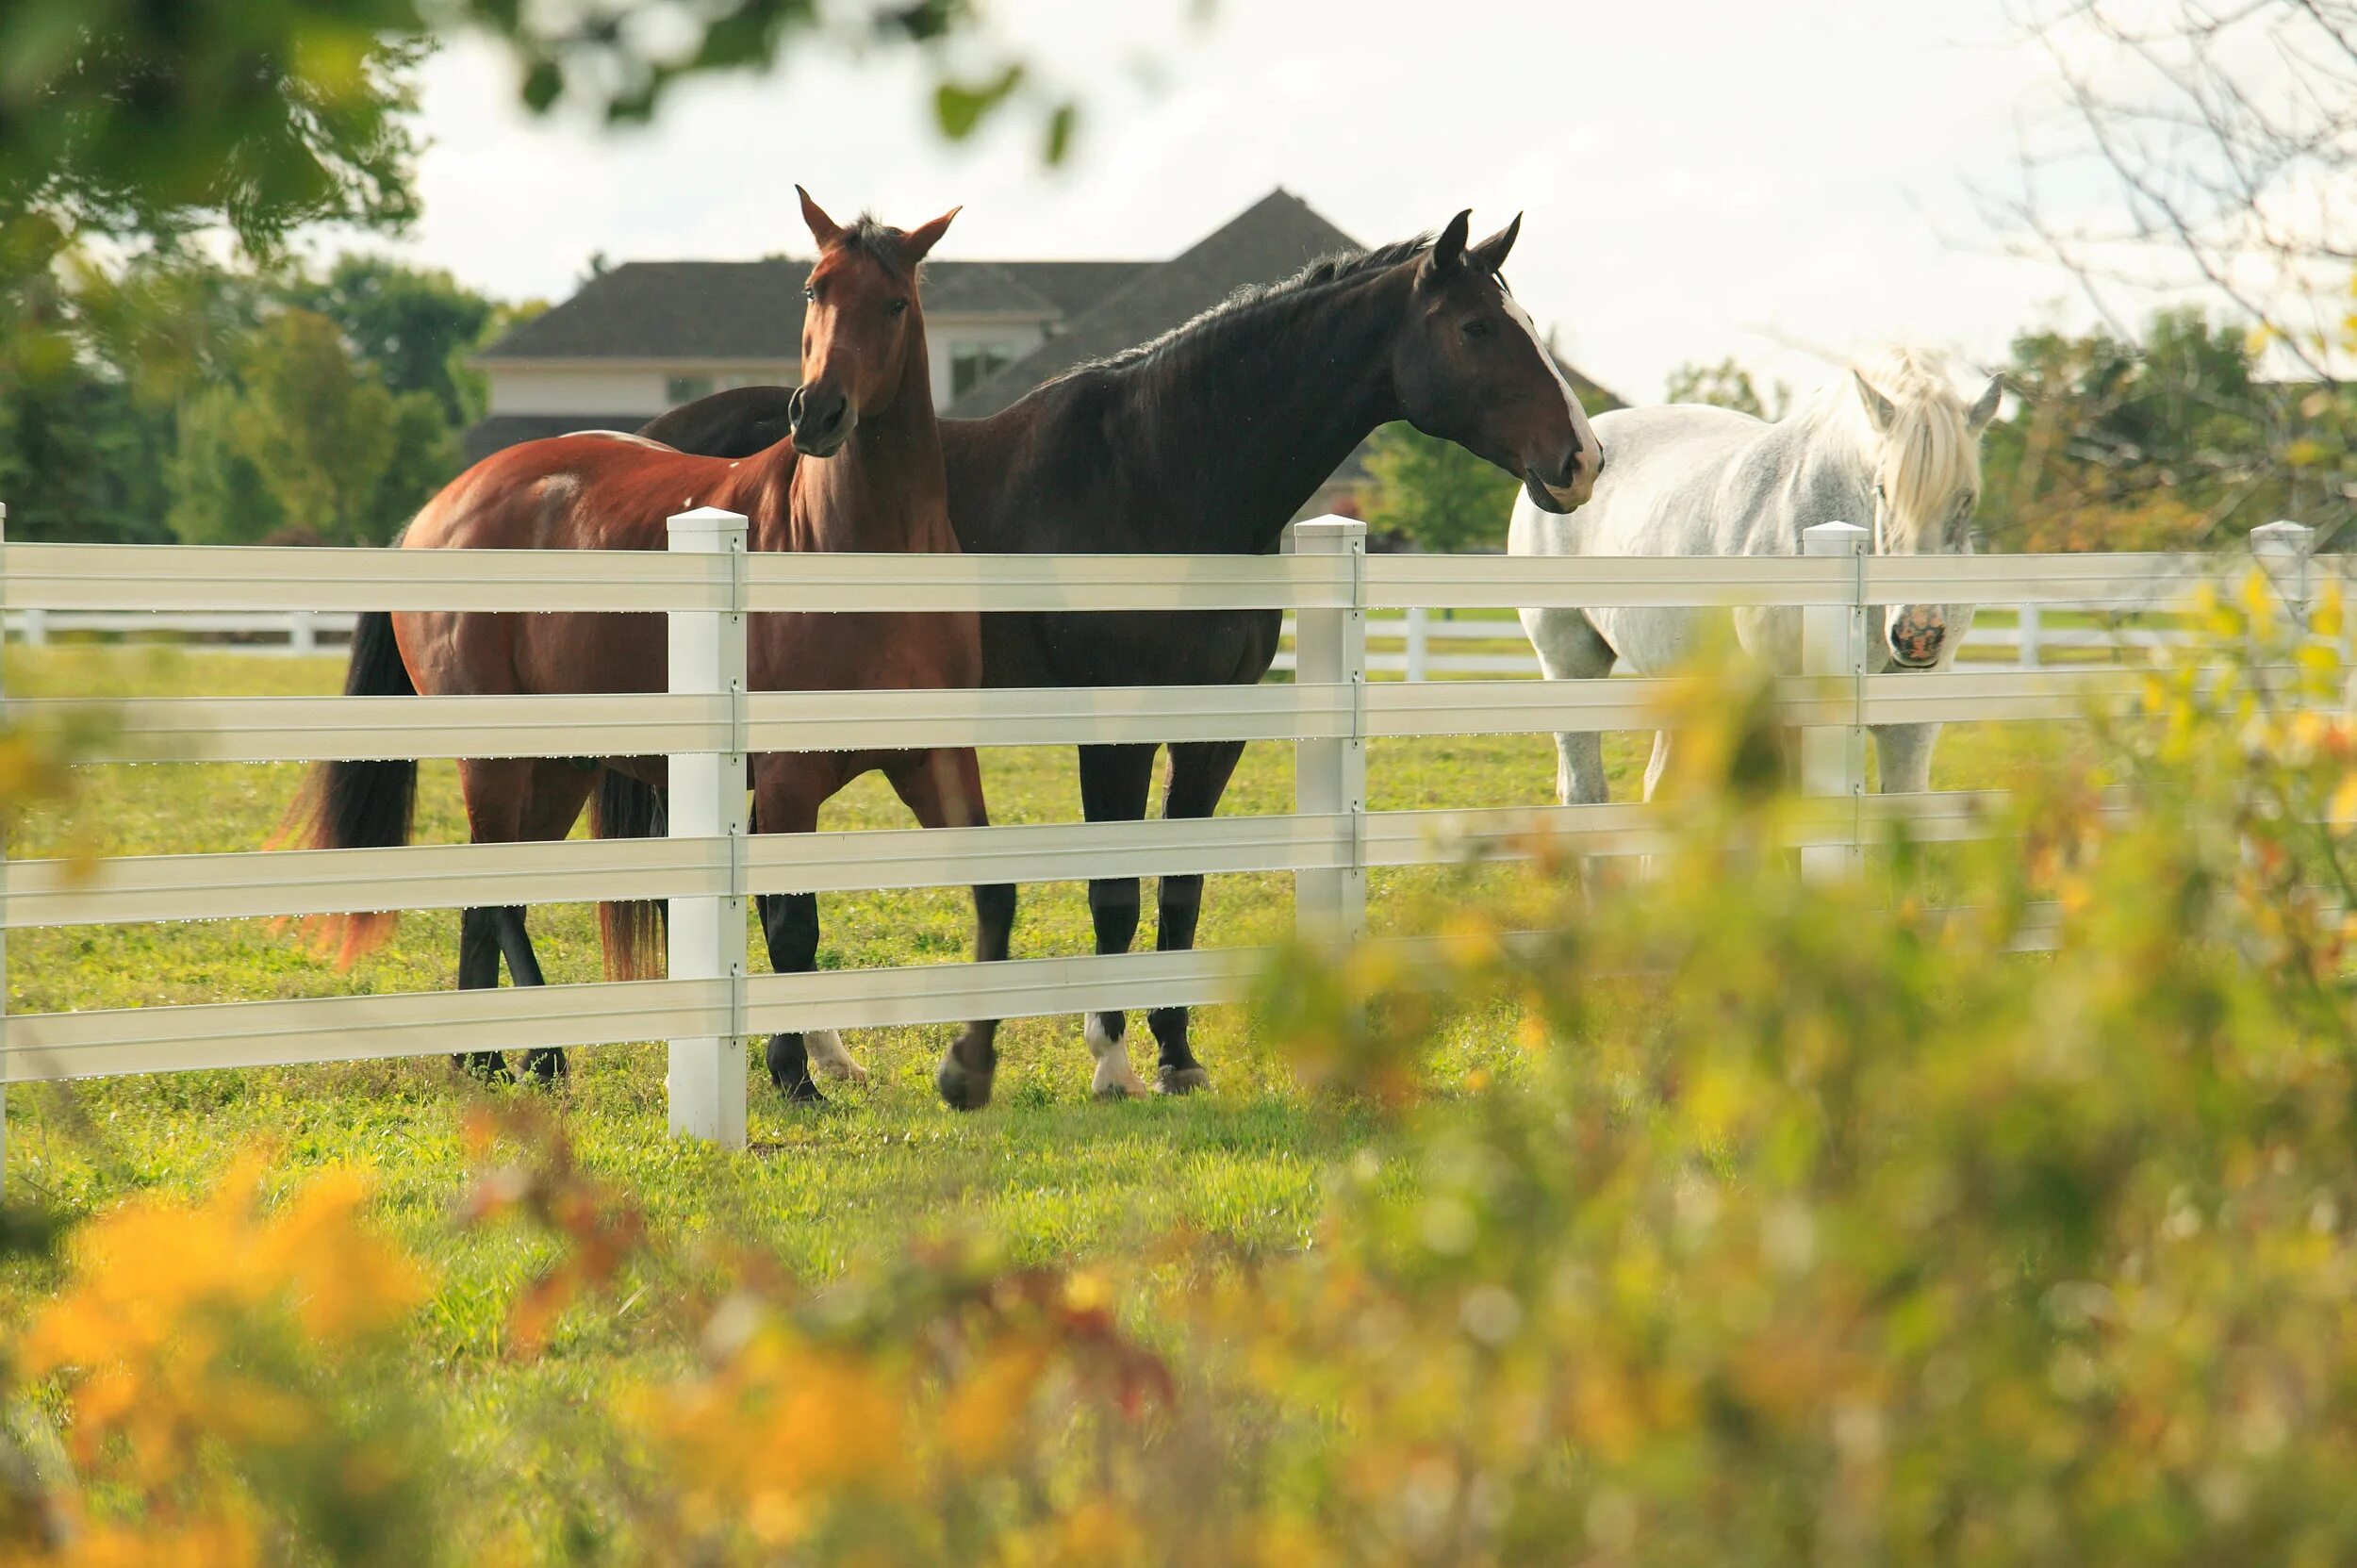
(924, 237)
(822, 228)
(1492, 251)
(1448, 251)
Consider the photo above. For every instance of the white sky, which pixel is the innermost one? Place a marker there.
(1700, 177)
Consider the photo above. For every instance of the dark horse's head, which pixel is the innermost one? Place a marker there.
(1471, 369)
(862, 328)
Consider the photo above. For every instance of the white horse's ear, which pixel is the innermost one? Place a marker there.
(1879, 410)
(1977, 418)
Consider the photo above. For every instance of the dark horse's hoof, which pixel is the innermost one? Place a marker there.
(802, 1092)
(963, 1088)
(485, 1067)
(1182, 1081)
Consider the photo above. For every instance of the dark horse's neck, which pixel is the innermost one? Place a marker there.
(885, 492)
(1223, 431)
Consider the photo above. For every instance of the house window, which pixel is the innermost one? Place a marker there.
(685, 388)
(971, 364)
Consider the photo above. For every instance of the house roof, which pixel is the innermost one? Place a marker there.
(754, 309)
(1275, 237)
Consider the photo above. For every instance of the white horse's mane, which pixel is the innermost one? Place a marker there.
(1930, 454)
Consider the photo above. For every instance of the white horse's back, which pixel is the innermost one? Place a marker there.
(1892, 445)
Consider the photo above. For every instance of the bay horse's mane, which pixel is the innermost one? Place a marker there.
(880, 243)
(1255, 299)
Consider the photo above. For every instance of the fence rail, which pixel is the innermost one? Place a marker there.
(708, 722)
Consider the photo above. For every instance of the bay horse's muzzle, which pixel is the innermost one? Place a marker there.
(820, 421)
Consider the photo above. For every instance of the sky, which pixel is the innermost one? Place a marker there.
(1785, 181)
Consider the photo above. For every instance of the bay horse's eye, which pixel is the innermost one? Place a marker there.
(1477, 329)
(808, 293)
(900, 307)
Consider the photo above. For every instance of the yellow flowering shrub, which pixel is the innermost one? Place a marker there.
(1803, 1224)
(217, 1362)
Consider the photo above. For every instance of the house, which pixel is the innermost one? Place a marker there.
(647, 336)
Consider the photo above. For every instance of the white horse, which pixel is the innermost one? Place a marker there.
(1891, 442)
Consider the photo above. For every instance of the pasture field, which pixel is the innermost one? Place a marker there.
(1046, 1169)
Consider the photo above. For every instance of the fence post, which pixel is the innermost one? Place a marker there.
(707, 1082)
(1833, 645)
(2027, 654)
(1419, 642)
(2281, 550)
(302, 632)
(1331, 776)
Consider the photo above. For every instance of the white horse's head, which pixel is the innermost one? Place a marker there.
(1922, 445)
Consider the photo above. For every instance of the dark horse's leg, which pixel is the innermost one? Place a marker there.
(1114, 782)
(788, 789)
(1199, 773)
(509, 801)
(945, 790)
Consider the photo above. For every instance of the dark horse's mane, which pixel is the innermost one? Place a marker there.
(1254, 299)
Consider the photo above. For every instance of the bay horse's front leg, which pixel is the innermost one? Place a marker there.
(945, 790)
(1199, 771)
(788, 789)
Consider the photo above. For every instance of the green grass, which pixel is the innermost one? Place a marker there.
(1057, 1175)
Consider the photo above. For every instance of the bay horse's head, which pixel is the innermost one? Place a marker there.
(1471, 370)
(1922, 446)
(862, 326)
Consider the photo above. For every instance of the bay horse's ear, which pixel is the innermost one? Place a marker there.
(1448, 251)
(1880, 410)
(1492, 251)
(822, 228)
(1977, 418)
(924, 237)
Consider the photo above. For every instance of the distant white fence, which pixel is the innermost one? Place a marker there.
(707, 723)
(2026, 643)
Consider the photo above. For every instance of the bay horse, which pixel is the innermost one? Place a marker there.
(1890, 443)
(858, 468)
(1212, 439)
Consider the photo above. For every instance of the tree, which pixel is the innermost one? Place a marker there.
(2226, 135)
(218, 496)
(82, 458)
(1726, 385)
(409, 323)
(318, 428)
(2174, 441)
(1436, 493)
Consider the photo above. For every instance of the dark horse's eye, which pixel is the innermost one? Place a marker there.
(1477, 329)
(900, 306)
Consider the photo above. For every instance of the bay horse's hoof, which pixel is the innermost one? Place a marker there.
(802, 1092)
(1182, 1081)
(963, 1088)
(828, 1058)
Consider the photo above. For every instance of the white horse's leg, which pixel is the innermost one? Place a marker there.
(1905, 752)
(1570, 648)
(1659, 765)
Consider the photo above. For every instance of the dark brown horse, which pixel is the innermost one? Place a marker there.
(866, 408)
(1212, 439)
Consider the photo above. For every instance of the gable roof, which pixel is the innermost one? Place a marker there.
(1273, 238)
(754, 309)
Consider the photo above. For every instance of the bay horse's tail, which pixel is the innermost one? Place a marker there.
(357, 805)
(625, 807)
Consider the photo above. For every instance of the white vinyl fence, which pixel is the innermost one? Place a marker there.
(709, 721)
